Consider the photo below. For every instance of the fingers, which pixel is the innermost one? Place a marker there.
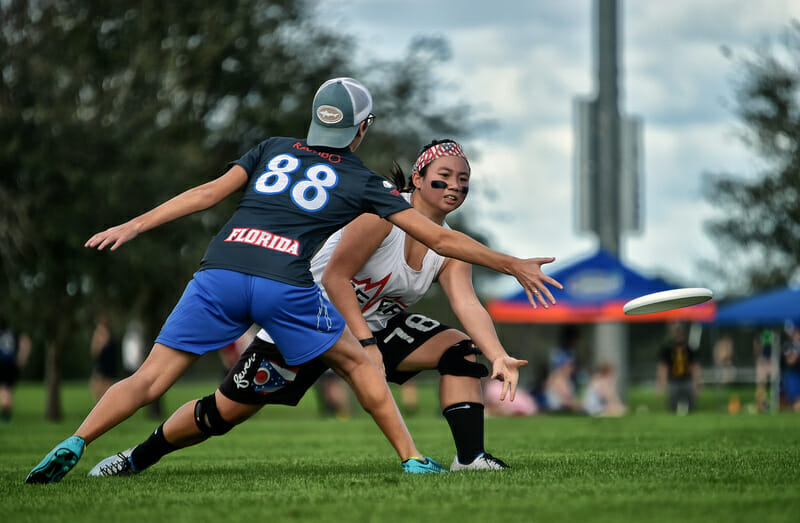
(544, 296)
(93, 241)
(531, 298)
(513, 390)
(552, 281)
(100, 240)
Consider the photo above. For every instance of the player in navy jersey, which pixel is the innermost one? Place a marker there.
(256, 270)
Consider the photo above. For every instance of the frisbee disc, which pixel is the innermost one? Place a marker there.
(667, 300)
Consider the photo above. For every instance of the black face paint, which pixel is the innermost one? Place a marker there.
(439, 184)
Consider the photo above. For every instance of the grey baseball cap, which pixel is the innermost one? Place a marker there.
(340, 105)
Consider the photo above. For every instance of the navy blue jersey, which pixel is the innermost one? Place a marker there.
(296, 197)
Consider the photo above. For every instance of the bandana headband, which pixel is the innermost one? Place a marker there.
(438, 151)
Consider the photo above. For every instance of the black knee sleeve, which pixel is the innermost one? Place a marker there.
(453, 361)
(208, 418)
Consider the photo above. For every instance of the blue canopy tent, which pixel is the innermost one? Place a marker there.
(769, 308)
(595, 289)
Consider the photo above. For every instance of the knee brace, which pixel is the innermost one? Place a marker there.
(208, 418)
(454, 363)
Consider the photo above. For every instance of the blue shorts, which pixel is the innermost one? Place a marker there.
(219, 305)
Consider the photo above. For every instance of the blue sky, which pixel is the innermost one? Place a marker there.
(522, 63)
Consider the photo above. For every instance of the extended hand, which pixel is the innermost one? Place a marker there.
(507, 369)
(115, 236)
(529, 274)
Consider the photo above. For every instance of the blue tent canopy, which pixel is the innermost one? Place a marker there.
(769, 308)
(598, 279)
(595, 288)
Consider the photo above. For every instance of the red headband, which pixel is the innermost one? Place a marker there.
(438, 151)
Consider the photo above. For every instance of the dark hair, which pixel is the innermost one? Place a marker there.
(398, 176)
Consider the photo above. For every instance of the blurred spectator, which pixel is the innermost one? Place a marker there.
(567, 347)
(409, 397)
(523, 405)
(105, 352)
(134, 351)
(334, 395)
(133, 347)
(678, 371)
(600, 397)
(14, 351)
(724, 369)
(762, 353)
(559, 388)
(790, 375)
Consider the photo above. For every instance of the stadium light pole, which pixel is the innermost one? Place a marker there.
(610, 340)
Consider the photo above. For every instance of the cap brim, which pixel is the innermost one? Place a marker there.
(330, 136)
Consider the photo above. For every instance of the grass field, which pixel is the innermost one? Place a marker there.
(291, 465)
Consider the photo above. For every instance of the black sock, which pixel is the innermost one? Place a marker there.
(466, 424)
(6, 415)
(151, 450)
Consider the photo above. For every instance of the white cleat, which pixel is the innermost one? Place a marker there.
(484, 461)
(117, 465)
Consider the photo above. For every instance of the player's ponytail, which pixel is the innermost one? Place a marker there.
(399, 178)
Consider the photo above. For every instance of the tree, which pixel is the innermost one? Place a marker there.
(759, 230)
(109, 108)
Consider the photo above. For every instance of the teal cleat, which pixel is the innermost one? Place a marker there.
(58, 462)
(423, 466)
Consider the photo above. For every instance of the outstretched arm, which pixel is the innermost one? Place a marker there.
(454, 244)
(456, 281)
(358, 242)
(195, 199)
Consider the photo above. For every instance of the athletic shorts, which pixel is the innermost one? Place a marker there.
(9, 372)
(219, 305)
(263, 377)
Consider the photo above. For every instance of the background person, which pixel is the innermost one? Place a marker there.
(678, 372)
(600, 398)
(559, 388)
(765, 373)
(14, 351)
(790, 371)
(104, 351)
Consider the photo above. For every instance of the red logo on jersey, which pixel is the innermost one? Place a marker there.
(369, 293)
(331, 157)
(264, 239)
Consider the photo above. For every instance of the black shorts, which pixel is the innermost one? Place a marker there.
(9, 372)
(262, 377)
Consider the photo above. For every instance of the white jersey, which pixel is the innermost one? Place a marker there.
(385, 285)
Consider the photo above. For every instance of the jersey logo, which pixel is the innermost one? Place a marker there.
(271, 377)
(369, 293)
(390, 306)
(263, 239)
(363, 290)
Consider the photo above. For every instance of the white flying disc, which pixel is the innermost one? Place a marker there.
(667, 300)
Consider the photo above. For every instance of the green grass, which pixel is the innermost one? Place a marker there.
(290, 465)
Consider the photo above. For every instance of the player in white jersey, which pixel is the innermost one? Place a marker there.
(372, 272)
